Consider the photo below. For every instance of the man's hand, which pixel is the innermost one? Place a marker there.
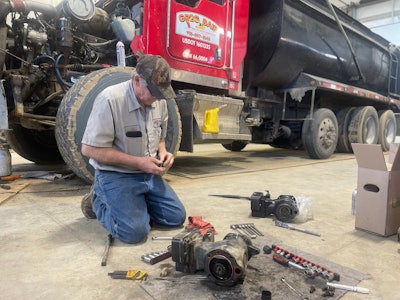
(166, 157)
(167, 160)
(115, 157)
(151, 165)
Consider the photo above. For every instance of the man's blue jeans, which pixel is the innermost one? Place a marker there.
(125, 203)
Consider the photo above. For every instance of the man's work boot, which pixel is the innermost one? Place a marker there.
(86, 204)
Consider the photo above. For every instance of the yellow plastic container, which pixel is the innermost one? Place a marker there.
(210, 123)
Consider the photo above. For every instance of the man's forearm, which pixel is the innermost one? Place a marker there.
(161, 147)
(110, 156)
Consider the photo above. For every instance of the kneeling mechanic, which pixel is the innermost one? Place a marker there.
(125, 141)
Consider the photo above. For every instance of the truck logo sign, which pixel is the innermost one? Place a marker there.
(198, 27)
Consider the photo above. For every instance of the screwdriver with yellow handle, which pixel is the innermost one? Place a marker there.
(129, 275)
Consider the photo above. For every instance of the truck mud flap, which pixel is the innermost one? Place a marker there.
(185, 101)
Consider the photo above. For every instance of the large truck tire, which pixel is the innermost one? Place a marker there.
(387, 129)
(320, 134)
(3, 45)
(235, 146)
(364, 125)
(75, 109)
(37, 146)
(174, 129)
(343, 118)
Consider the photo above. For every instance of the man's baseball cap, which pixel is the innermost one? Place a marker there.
(156, 71)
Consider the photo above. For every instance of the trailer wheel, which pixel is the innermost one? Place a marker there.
(37, 146)
(319, 135)
(75, 109)
(343, 118)
(235, 146)
(364, 126)
(387, 129)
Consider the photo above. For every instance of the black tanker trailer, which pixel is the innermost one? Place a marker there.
(315, 56)
(290, 37)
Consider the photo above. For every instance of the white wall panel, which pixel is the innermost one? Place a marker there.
(382, 17)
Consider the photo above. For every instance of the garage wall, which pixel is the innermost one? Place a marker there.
(382, 17)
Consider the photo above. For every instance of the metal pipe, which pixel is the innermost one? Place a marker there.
(162, 238)
(348, 288)
(360, 74)
(232, 36)
(25, 6)
(3, 108)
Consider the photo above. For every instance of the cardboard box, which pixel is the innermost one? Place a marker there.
(378, 189)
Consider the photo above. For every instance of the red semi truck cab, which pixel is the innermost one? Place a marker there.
(204, 41)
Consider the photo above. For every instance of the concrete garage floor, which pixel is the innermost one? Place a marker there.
(48, 250)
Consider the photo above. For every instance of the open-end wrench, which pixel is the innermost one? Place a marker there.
(248, 229)
(236, 228)
(244, 229)
(159, 238)
(243, 232)
(252, 228)
(249, 232)
(302, 297)
(256, 230)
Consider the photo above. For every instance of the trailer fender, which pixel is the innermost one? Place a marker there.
(185, 103)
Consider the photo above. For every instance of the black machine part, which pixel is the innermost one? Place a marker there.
(284, 207)
(224, 261)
